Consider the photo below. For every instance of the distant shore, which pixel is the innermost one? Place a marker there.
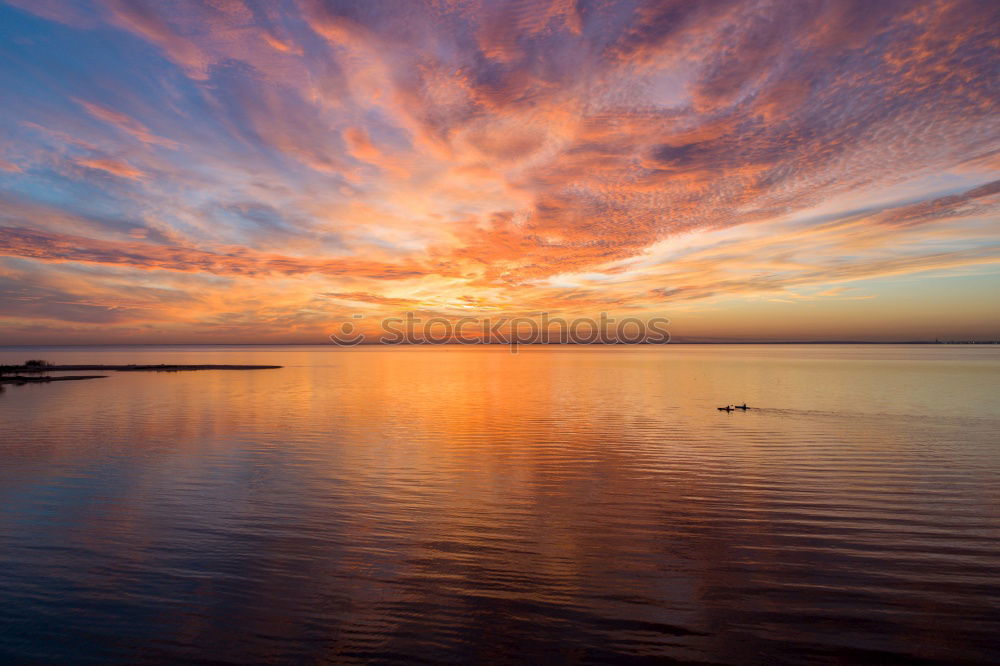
(41, 380)
(32, 372)
(163, 367)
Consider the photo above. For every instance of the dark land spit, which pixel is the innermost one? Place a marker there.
(163, 367)
(36, 380)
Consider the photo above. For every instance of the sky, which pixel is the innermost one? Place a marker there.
(230, 171)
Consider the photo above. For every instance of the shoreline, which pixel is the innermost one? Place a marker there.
(41, 380)
(163, 367)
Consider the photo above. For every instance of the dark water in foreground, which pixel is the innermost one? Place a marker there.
(561, 505)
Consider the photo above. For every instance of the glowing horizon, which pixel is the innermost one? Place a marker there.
(226, 171)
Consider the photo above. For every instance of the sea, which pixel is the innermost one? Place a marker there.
(452, 504)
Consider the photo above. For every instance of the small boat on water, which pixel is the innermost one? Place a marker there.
(743, 407)
(727, 408)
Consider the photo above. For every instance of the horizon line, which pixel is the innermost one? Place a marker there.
(507, 344)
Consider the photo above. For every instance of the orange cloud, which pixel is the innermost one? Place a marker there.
(126, 124)
(115, 167)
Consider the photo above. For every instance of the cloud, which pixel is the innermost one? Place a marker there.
(47, 246)
(125, 124)
(115, 167)
(523, 154)
(366, 297)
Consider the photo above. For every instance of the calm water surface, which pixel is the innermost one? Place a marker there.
(561, 505)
